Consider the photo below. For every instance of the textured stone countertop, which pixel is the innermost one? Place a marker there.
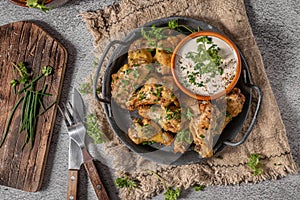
(276, 27)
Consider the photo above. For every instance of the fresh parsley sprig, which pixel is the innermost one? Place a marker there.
(93, 129)
(173, 24)
(85, 88)
(148, 143)
(153, 35)
(125, 182)
(157, 33)
(255, 165)
(171, 193)
(189, 114)
(199, 187)
(184, 137)
(36, 4)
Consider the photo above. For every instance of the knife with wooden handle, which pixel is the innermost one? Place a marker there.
(72, 184)
(79, 154)
(75, 155)
(94, 176)
(75, 161)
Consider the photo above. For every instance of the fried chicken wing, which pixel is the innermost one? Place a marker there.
(169, 118)
(139, 52)
(203, 128)
(119, 75)
(165, 49)
(213, 120)
(151, 94)
(141, 43)
(127, 80)
(183, 140)
(235, 102)
(146, 130)
(141, 56)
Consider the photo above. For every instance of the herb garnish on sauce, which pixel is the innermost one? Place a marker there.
(206, 59)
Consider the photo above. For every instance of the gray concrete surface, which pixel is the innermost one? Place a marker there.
(276, 26)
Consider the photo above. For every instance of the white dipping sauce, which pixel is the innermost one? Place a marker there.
(210, 84)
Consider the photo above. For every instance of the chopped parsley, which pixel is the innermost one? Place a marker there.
(206, 60)
(142, 96)
(184, 136)
(85, 88)
(158, 91)
(147, 142)
(125, 82)
(135, 73)
(189, 114)
(202, 136)
(128, 71)
(93, 129)
(172, 114)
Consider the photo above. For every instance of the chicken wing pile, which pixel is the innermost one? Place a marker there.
(166, 115)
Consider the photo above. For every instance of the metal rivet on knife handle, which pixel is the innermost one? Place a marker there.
(99, 187)
(72, 184)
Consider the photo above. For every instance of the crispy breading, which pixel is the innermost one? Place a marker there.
(151, 94)
(147, 131)
(127, 80)
(235, 102)
(141, 56)
(139, 52)
(165, 49)
(169, 118)
(213, 119)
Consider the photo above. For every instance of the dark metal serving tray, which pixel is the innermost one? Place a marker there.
(119, 118)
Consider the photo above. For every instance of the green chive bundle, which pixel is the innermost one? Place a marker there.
(32, 102)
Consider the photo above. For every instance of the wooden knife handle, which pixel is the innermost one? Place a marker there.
(72, 184)
(95, 179)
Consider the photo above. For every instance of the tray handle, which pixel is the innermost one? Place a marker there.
(105, 52)
(247, 133)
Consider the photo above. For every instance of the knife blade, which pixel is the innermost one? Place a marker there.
(75, 155)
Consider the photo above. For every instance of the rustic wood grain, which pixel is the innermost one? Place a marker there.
(26, 42)
(72, 184)
(95, 179)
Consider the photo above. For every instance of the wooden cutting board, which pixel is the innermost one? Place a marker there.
(26, 42)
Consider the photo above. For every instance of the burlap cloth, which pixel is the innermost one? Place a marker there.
(268, 137)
